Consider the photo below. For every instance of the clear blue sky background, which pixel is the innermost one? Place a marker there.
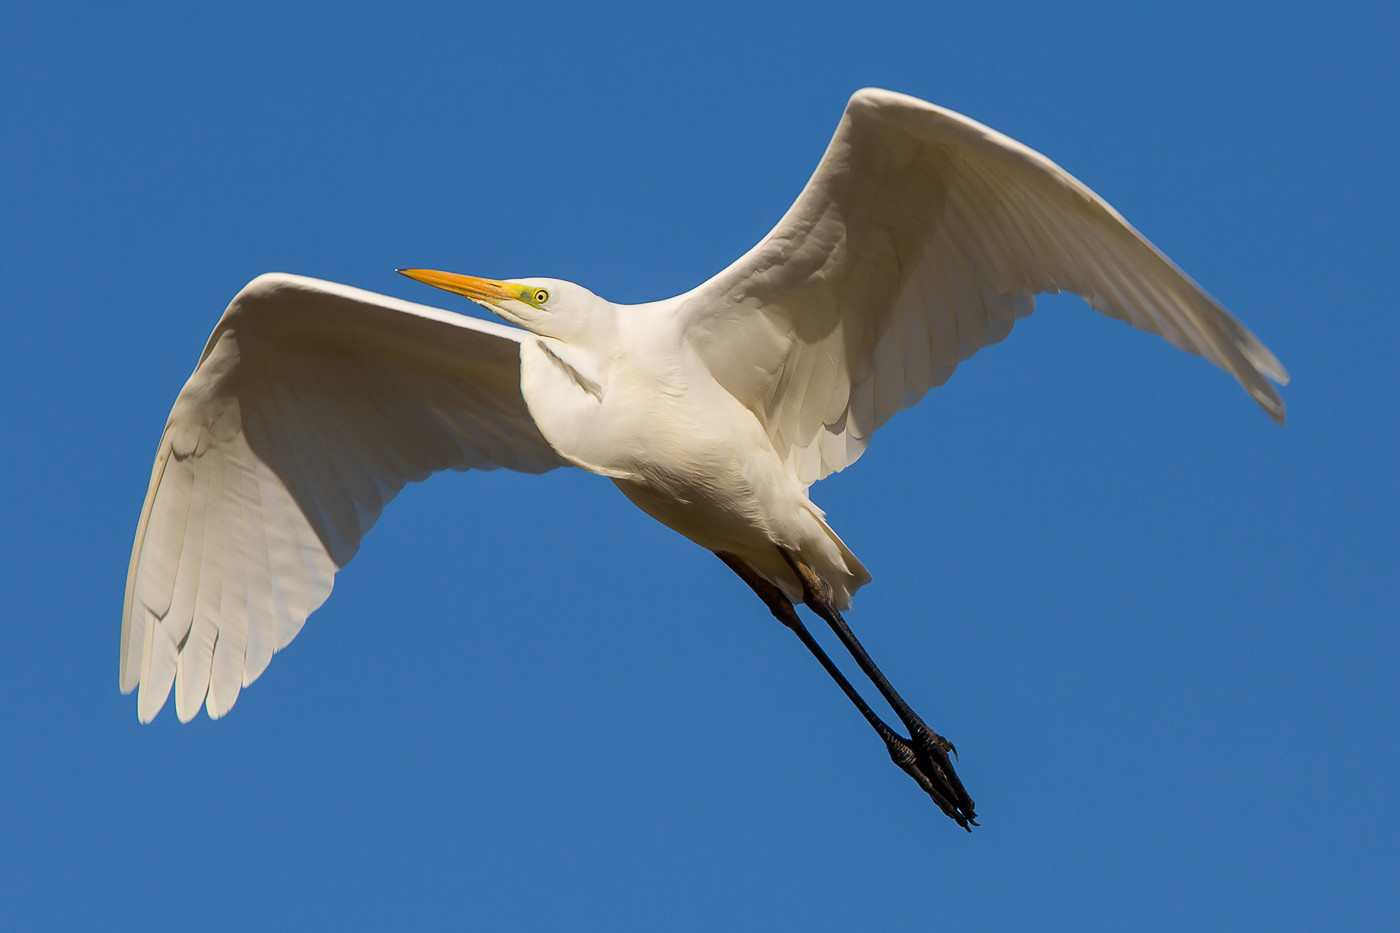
(1161, 629)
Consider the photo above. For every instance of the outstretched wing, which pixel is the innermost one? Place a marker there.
(311, 407)
(921, 238)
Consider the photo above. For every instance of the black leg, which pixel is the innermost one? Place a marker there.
(783, 611)
(930, 750)
(919, 757)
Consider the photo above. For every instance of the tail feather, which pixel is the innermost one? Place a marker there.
(841, 570)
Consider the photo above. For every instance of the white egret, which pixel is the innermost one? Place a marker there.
(921, 238)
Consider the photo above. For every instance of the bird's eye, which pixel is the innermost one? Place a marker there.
(541, 296)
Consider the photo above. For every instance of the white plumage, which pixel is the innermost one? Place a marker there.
(311, 407)
(921, 238)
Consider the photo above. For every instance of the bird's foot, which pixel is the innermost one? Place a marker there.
(925, 759)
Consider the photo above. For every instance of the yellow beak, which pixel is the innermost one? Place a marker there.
(488, 291)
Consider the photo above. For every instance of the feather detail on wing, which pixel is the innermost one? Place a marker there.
(921, 238)
(311, 407)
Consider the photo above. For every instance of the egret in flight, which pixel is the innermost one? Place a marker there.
(921, 238)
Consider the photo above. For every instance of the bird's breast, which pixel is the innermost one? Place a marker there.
(672, 439)
(632, 415)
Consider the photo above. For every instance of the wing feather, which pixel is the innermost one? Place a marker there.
(921, 238)
(312, 405)
(262, 584)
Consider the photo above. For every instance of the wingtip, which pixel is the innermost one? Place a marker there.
(1273, 405)
(218, 706)
(149, 701)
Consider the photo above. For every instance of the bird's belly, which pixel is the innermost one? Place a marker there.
(698, 462)
(689, 455)
(711, 475)
(744, 502)
(721, 509)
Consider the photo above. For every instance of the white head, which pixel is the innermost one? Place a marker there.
(548, 307)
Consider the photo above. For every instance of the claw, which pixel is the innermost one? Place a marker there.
(934, 777)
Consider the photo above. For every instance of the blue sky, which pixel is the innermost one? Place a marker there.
(1161, 630)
